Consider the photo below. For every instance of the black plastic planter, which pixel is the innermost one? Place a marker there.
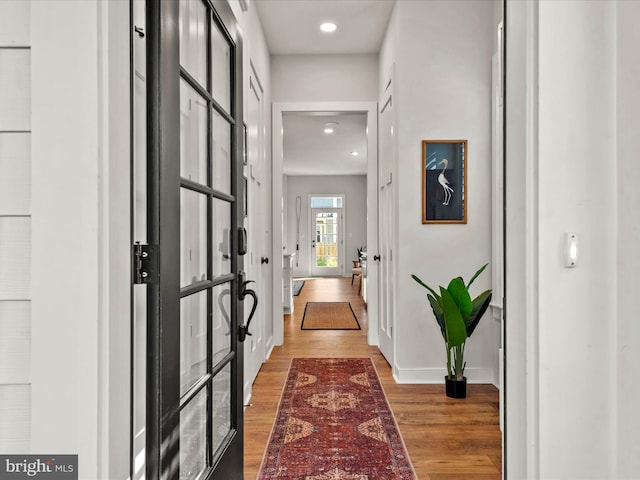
(456, 388)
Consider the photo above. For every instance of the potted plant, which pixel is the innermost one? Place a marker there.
(458, 316)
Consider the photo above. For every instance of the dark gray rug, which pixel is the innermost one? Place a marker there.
(297, 286)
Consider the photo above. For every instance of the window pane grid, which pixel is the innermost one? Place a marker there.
(208, 394)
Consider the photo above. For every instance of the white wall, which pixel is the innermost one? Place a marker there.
(577, 193)
(309, 78)
(442, 54)
(15, 227)
(573, 410)
(628, 230)
(65, 223)
(354, 187)
(68, 346)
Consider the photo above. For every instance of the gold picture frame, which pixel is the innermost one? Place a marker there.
(444, 181)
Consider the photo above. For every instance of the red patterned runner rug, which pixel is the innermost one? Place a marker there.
(334, 423)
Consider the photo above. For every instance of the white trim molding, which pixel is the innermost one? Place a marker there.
(521, 388)
(436, 375)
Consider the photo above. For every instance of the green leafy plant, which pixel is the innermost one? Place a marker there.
(458, 316)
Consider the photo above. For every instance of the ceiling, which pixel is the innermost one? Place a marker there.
(310, 151)
(292, 27)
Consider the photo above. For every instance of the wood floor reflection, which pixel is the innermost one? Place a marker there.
(446, 439)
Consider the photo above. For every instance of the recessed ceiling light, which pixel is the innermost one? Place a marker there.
(355, 154)
(328, 27)
(329, 127)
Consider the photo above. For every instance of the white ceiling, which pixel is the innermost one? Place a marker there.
(310, 151)
(292, 27)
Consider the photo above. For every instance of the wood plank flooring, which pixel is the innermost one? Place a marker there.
(447, 439)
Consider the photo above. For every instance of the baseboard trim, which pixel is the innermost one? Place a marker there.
(247, 399)
(436, 375)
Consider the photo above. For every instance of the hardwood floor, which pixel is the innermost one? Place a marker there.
(446, 439)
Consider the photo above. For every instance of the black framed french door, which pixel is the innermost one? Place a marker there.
(194, 418)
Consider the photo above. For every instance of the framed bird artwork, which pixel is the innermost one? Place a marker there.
(444, 181)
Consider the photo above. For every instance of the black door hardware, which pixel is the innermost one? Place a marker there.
(243, 330)
(145, 264)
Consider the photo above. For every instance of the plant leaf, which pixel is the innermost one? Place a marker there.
(460, 295)
(433, 292)
(455, 327)
(480, 305)
(439, 314)
(476, 274)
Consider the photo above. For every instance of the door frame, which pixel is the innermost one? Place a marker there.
(521, 437)
(279, 208)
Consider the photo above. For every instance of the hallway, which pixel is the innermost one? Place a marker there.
(446, 439)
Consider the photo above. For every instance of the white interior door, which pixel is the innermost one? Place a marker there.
(386, 227)
(254, 222)
(327, 242)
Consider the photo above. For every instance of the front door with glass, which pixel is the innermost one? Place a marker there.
(326, 242)
(194, 220)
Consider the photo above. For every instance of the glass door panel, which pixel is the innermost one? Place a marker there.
(221, 223)
(193, 437)
(193, 134)
(221, 323)
(221, 425)
(327, 242)
(193, 38)
(221, 69)
(193, 339)
(193, 237)
(326, 239)
(221, 154)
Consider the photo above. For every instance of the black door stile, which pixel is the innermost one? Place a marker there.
(163, 153)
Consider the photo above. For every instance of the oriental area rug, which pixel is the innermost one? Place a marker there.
(329, 316)
(334, 422)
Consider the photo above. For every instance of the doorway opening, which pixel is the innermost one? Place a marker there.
(304, 180)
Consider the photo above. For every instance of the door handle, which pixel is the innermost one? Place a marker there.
(264, 260)
(376, 258)
(242, 241)
(313, 244)
(243, 330)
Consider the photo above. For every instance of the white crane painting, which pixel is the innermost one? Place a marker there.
(444, 176)
(442, 180)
